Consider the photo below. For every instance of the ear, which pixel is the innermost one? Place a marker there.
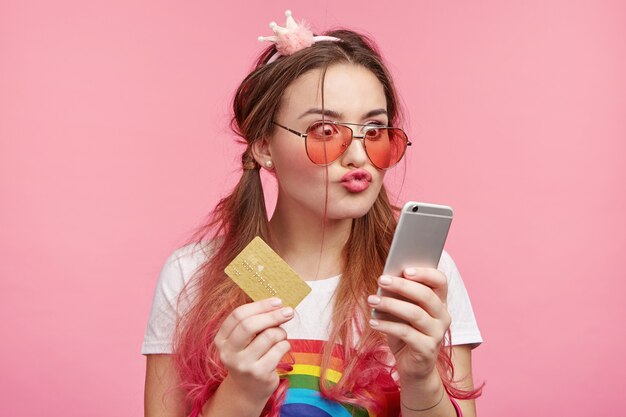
(261, 152)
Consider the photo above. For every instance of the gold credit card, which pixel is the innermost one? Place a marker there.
(261, 273)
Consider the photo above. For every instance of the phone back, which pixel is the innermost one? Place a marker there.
(419, 237)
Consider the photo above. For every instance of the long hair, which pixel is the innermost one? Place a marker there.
(242, 215)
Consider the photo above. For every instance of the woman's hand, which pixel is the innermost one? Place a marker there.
(251, 345)
(422, 316)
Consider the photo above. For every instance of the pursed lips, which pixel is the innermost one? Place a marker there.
(357, 180)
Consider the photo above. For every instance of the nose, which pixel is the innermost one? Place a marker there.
(355, 155)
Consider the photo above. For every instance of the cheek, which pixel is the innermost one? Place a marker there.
(287, 148)
(294, 166)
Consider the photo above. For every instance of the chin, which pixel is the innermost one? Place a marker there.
(344, 214)
(350, 209)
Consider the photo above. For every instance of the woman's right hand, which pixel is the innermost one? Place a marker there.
(251, 345)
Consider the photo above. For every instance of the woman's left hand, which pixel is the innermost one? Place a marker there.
(420, 319)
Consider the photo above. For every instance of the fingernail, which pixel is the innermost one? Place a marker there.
(373, 299)
(410, 271)
(385, 280)
(287, 312)
(275, 302)
(374, 323)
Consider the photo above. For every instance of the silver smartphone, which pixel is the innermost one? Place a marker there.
(418, 239)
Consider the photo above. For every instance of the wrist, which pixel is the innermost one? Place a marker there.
(248, 404)
(249, 397)
(422, 394)
(421, 372)
(427, 383)
(424, 408)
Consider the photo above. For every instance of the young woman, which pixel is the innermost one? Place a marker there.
(321, 115)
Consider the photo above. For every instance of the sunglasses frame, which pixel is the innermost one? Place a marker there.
(353, 136)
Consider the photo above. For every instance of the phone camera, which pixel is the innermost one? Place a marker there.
(414, 209)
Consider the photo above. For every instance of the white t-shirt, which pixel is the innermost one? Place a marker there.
(312, 316)
(307, 332)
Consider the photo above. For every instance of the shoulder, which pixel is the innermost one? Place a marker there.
(180, 267)
(455, 281)
(189, 258)
(171, 297)
(464, 329)
(448, 267)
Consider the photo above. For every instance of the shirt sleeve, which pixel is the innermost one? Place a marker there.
(463, 329)
(166, 305)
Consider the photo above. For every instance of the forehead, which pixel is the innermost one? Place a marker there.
(349, 89)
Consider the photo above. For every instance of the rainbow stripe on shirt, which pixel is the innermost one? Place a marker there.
(303, 396)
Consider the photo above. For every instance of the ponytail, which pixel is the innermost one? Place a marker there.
(234, 222)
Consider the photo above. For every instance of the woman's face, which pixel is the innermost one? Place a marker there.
(352, 94)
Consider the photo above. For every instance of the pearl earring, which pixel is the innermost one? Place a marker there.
(269, 164)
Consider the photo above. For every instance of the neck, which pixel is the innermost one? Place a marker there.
(312, 248)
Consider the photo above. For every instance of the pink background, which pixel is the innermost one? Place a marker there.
(115, 144)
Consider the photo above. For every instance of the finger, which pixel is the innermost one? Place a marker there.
(416, 341)
(247, 329)
(244, 311)
(271, 359)
(410, 313)
(263, 342)
(261, 368)
(415, 292)
(431, 277)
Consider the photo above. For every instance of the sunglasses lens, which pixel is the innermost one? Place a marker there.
(325, 142)
(385, 146)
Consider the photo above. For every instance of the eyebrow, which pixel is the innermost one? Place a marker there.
(337, 115)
